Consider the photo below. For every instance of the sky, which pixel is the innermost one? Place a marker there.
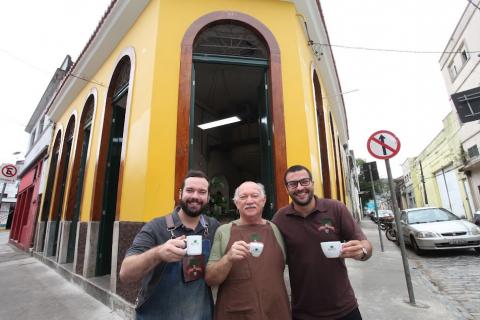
(400, 92)
(35, 38)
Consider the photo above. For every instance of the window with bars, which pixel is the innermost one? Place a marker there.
(230, 39)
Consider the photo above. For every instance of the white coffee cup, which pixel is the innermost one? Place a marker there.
(331, 249)
(256, 248)
(194, 245)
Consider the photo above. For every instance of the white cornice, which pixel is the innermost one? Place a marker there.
(111, 31)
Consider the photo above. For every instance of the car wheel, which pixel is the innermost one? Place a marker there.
(477, 249)
(415, 247)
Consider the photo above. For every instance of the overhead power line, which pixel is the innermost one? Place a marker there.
(473, 4)
(41, 70)
(387, 50)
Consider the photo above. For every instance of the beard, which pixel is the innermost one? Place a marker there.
(302, 202)
(192, 213)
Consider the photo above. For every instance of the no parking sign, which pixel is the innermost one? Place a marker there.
(8, 172)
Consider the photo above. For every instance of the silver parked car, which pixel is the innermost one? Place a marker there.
(431, 228)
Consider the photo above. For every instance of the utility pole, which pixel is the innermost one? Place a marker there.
(423, 183)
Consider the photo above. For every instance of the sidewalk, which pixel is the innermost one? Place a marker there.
(32, 290)
(381, 288)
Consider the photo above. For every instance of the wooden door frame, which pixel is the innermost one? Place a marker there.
(276, 98)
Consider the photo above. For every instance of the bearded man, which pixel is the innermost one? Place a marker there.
(158, 258)
(320, 286)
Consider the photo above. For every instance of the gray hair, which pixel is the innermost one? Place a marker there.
(259, 185)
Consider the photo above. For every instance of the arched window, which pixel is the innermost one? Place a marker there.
(230, 39)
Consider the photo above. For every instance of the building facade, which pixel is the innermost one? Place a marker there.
(460, 66)
(8, 199)
(436, 175)
(408, 192)
(32, 176)
(139, 108)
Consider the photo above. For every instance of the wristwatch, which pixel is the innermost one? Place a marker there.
(365, 254)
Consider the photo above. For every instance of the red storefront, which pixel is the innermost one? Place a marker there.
(26, 209)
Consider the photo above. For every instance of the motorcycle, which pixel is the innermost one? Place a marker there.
(390, 230)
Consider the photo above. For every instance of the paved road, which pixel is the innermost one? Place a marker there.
(456, 275)
(31, 290)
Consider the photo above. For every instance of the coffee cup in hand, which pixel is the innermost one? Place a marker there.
(256, 248)
(194, 245)
(331, 249)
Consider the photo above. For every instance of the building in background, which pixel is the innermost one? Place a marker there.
(239, 89)
(32, 175)
(8, 192)
(353, 185)
(434, 177)
(408, 193)
(399, 184)
(460, 66)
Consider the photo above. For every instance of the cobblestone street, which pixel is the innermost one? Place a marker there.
(455, 275)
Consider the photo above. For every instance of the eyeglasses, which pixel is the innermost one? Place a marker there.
(294, 183)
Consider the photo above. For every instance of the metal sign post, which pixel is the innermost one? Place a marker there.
(384, 145)
(403, 251)
(375, 205)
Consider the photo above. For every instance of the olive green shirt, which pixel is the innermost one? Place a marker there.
(222, 236)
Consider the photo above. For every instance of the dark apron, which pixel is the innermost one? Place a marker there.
(255, 288)
(174, 299)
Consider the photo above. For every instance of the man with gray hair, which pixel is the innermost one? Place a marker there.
(247, 262)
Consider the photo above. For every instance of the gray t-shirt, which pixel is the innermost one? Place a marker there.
(165, 280)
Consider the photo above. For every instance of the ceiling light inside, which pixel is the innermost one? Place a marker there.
(219, 123)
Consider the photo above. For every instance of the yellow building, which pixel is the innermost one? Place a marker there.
(443, 184)
(132, 113)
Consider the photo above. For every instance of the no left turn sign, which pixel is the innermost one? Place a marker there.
(383, 145)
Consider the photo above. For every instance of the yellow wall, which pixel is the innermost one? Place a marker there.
(142, 38)
(442, 152)
(150, 149)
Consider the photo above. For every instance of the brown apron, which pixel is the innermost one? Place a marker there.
(255, 288)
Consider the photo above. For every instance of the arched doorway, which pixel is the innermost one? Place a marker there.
(322, 137)
(60, 187)
(109, 163)
(78, 174)
(335, 161)
(234, 104)
(49, 189)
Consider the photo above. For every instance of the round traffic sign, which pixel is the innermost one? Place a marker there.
(9, 171)
(383, 144)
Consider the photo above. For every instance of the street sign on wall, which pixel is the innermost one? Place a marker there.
(383, 145)
(8, 172)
